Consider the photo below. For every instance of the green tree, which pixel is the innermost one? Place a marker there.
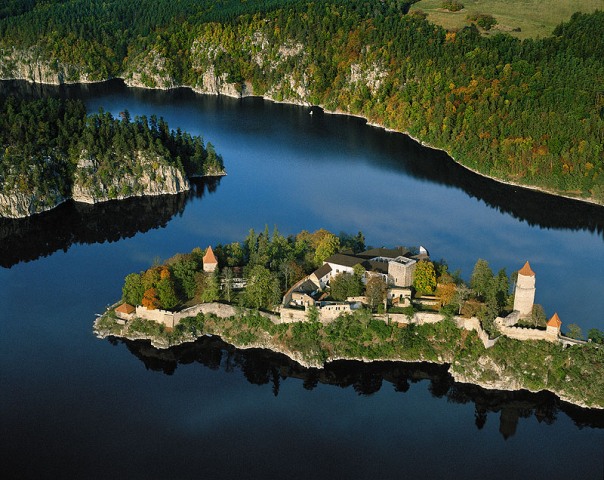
(184, 271)
(424, 277)
(328, 245)
(538, 316)
(481, 280)
(345, 285)
(574, 331)
(596, 336)
(211, 290)
(166, 293)
(262, 290)
(462, 293)
(133, 289)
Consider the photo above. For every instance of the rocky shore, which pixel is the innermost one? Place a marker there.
(485, 373)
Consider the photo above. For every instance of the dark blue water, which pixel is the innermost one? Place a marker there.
(73, 406)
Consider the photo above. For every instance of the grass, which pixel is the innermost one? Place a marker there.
(535, 18)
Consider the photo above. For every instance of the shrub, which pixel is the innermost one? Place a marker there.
(483, 20)
(452, 5)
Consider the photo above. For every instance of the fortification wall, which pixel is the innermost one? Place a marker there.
(221, 310)
(292, 315)
(528, 334)
(156, 315)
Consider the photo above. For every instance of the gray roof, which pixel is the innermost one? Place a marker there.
(306, 287)
(384, 252)
(344, 260)
(322, 270)
(372, 266)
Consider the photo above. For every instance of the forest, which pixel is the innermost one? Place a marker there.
(44, 141)
(526, 111)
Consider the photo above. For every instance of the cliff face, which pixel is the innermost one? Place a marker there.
(90, 184)
(14, 204)
(146, 176)
(32, 65)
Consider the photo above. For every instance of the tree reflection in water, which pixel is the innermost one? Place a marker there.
(263, 367)
(26, 239)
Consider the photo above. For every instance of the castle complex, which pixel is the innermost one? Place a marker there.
(396, 267)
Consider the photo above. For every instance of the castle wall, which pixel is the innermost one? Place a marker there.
(156, 315)
(171, 319)
(528, 334)
(292, 315)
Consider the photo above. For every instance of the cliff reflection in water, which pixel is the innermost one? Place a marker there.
(27, 239)
(263, 367)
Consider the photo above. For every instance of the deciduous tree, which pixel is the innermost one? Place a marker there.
(424, 277)
(375, 291)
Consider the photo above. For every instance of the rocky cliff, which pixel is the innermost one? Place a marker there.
(146, 176)
(90, 184)
(15, 204)
(32, 65)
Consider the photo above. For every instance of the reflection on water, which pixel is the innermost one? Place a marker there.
(394, 152)
(71, 223)
(263, 367)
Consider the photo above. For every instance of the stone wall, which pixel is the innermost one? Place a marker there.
(221, 310)
(156, 315)
(528, 334)
(292, 315)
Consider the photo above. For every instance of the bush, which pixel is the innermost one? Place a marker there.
(452, 5)
(483, 20)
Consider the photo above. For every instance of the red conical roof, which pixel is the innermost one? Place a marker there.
(526, 270)
(209, 257)
(554, 321)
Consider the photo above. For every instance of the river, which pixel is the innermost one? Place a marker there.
(74, 406)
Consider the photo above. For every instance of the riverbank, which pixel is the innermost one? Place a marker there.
(233, 93)
(570, 373)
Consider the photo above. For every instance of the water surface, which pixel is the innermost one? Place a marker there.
(74, 406)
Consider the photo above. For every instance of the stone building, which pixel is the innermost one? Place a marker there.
(210, 262)
(553, 325)
(524, 294)
(125, 311)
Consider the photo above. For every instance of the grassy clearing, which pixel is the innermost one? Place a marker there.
(535, 18)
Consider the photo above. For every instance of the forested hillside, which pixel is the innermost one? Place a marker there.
(50, 150)
(529, 111)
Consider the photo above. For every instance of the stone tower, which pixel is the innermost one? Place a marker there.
(553, 325)
(209, 260)
(524, 295)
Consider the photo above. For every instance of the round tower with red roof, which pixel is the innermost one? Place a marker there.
(524, 294)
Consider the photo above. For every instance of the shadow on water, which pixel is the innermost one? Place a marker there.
(263, 367)
(27, 239)
(390, 151)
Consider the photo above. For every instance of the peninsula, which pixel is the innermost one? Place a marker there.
(52, 151)
(317, 297)
(525, 111)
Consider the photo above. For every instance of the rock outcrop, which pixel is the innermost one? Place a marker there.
(154, 178)
(19, 205)
(34, 66)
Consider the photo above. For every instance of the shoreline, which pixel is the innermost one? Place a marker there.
(308, 364)
(268, 342)
(240, 96)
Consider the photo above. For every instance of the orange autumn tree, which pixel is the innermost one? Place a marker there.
(150, 299)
